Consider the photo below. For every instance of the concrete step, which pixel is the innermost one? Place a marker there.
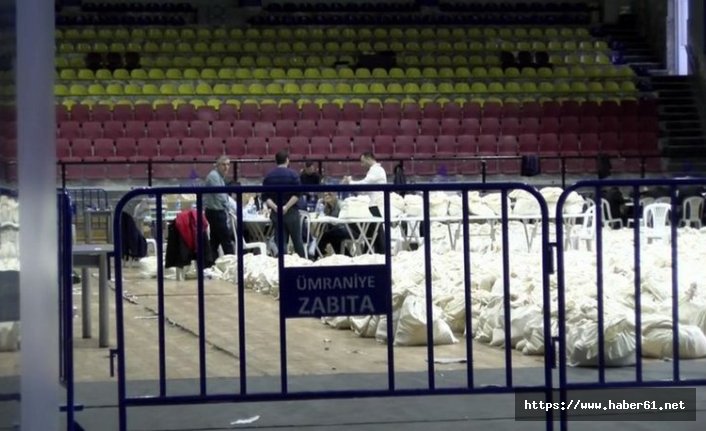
(669, 117)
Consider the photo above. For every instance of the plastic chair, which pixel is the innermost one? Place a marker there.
(656, 219)
(692, 212)
(246, 245)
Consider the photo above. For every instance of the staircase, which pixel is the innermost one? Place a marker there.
(682, 136)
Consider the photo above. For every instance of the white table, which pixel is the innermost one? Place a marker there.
(362, 224)
(258, 226)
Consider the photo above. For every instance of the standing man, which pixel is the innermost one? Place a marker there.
(283, 176)
(376, 175)
(216, 206)
(309, 176)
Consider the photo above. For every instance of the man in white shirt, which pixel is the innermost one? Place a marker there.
(376, 175)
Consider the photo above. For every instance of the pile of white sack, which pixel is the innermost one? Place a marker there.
(9, 234)
(487, 288)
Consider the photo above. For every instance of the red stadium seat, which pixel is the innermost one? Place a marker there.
(590, 144)
(351, 112)
(371, 111)
(124, 113)
(63, 150)
(411, 111)
(610, 143)
(570, 108)
(206, 113)
(221, 129)
(466, 144)
(510, 126)
(178, 129)
(320, 147)
(80, 113)
(70, 130)
(429, 126)
(384, 145)
(249, 112)
(299, 145)
(125, 147)
(190, 149)
(391, 111)
(368, 127)
(157, 129)
(326, 127)
(276, 144)
(264, 129)
(487, 145)
(146, 149)
(470, 126)
(362, 144)
(330, 111)
(91, 130)
(453, 110)
(446, 145)
(511, 110)
(256, 147)
(269, 113)
(62, 113)
(82, 148)
(528, 144)
(569, 144)
(531, 110)
(432, 110)
(549, 144)
(450, 126)
(341, 146)
(306, 128)
(347, 128)
(165, 113)
(472, 110)
(289, 111)
(212, 147)
(242, 128)
(549, 125)
(199, 129)
(285, 128)
(569, 125)
(169, 149)
(227, 112)
(235, 146)
(404, 146)
(186, 112)
(142, 112)
(425, 146)
(113, 129)
(105, 150)
(310, 111)
(389, 126)
(409, 127)
(507, 145)
(492, 110)
(490, 126)
(101, 113)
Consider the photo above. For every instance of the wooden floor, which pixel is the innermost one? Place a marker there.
(312, 347)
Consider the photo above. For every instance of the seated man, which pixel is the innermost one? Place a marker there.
(334, 234)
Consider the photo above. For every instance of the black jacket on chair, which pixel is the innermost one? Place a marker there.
(179, 255)
(133, 241)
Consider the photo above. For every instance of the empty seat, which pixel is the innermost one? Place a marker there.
(235, 146)
(157, 129)
(320, 146)
(199, 129)
(91, 130)
(177, 129)
(242, 128)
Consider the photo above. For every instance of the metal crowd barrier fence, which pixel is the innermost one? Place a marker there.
(66, 327)
(673, 186)
(378, 303)
(483, 170)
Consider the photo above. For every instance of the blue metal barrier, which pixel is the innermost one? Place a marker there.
(597, 187)
(243, 395)
(66, 326)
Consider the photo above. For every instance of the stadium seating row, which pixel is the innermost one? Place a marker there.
(646, 108)
(188, 33)
(366, 127)
(346, 73)
(300, 61)
(332, 47)
(385, 146)
(549, 88)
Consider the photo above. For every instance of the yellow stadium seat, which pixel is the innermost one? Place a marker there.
(445, 88)
(562, 87)
(346, 73)
(360, 88)
(238, 89)
(114, 89)
(213, 61)
(479, 87)
(410, 60)
(151, 74)
(577, 71)
(174, 74)
(186, 89)
(221, 89)
(545, 72)
(69, 33)
(61, 62)
(150, 47)
(556, 59)
(362, 73)
(510, 72)
(413, 73)
(429, 73)
(602, 59)
(428, 88)
(209, 73)
(464, 87)
(595, 87)
(377, 88)
(246, 61)
(505, 33)
(61, 90)
(86, 74)
(123, 74)
(88, 33)
(526, 87)
(274, 88)
(263, 61)
(198, 47)
(269, 33)
(507, 45)
(411, 88)
(291, 88)
(103, 74)
(165, 89)
(326, 88)
(528, 72)
(492, 60)
(555, 45)
(229, 62)
(459, 60)
(490, 32)
(170, 47)
(328, 73)
(196, 62)
(412, 46)
(309, 88)
(133, 89)
(446, 73)
(117, 47)
(395, 88)
(67, 74)
(579, 87)
(96, 90)
(76, 62)
(278, 73)
(214, 103)
(295, 73)
(256, 89)
(188, 34)
(78, 90)
(546, 87)
(266, 47)
(242, 73)
(312, 73)
(462, 72)
(260, 73)
(496, 87)
(628, 87)
(509, 87)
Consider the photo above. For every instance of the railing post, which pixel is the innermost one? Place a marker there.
(483, 168)
(149, 172)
